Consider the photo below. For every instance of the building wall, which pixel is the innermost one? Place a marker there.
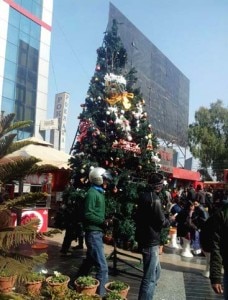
(25, 39)
(164, 87)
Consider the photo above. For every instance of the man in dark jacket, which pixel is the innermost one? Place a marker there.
(219, 252)
(150, 219)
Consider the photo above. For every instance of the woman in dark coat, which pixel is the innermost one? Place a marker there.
(185, 227)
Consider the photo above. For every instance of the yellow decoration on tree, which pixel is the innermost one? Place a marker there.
(122, 97)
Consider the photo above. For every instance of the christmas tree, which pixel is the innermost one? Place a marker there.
(114, 133)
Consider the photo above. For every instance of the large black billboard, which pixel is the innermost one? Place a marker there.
(164, 87)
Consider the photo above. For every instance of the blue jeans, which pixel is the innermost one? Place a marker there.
(95, 257)
(225, 285)
(151, 272)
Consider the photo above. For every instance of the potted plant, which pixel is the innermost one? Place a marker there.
(120, 287)
(163, 239)
(33, 283)
(7, 281)
(113, 295)
(86, 285)
(57, 283)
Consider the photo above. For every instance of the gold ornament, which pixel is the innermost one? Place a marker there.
(121, 97)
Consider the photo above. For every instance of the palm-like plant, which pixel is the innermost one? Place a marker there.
(10, 236)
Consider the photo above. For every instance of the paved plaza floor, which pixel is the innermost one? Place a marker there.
(181, 278)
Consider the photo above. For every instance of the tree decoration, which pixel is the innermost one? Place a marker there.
(115, 90)
(128, 146)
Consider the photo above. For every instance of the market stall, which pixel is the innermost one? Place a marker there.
(52, 181)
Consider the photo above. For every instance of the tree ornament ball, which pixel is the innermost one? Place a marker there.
(82, 171)
(98, 67)
(129, 138)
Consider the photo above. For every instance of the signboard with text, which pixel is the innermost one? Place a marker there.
(49, 124)
(60, 112)
(166, 155)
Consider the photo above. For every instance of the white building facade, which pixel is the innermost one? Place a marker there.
(25, 38)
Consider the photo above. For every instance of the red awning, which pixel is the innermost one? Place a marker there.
(185, 174)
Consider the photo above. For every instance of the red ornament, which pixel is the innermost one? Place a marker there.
(115, 190)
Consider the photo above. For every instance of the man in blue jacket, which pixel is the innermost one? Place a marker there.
(150, 220)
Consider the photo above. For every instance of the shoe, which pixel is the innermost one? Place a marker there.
(206, 274)
(77, 247)
(68, 253)
(197, 252)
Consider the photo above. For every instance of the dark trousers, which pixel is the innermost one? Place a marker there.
(72, 234)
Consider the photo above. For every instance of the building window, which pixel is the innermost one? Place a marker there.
(33, 6)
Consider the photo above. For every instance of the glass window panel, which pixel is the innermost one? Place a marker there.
(20, 94)
(40, 2)
(11, 52)
(8, 89)
(7, 105)
(24, 37)
(10, 70)
(30, 98)
(13, 34)
(27, 4)
(35, 30)
(34, 43)
(24, 45)
(33, 61)
(14, 17)
(24, 134)
(21, 75)
(22, 60)
(19, 111)
(18, 1)
(25, 25)
(23, 54)
(37, 8)
(29, 113)
(31, 80)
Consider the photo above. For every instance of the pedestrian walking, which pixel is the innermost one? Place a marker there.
(94, 223)
(150, 219)
(219, 253)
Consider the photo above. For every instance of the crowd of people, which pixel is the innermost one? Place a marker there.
(200, 217)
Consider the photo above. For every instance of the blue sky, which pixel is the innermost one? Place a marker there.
(193, 34)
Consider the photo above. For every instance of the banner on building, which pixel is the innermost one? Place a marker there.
(166, 155)
(49, 124)
(61, 112)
